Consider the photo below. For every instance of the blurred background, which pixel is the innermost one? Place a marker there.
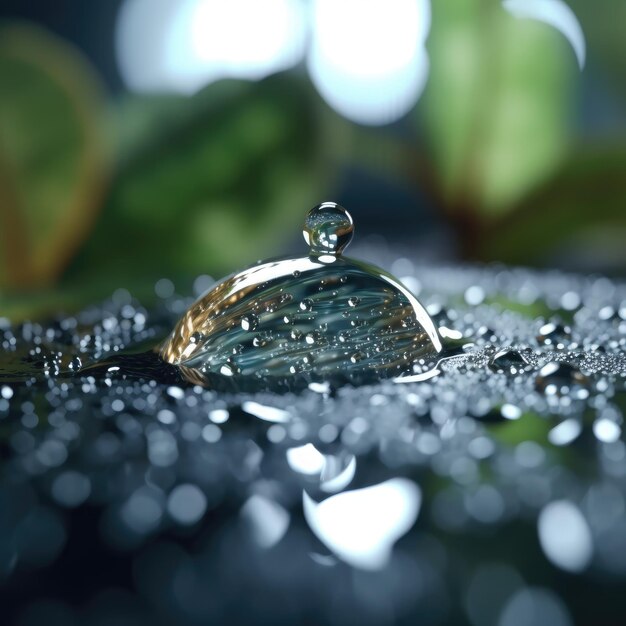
(142, 139)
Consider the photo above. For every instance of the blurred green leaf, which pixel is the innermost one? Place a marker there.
(496, 104)
(52, 155)
(586, 198)
(603, 23)
(210, 182)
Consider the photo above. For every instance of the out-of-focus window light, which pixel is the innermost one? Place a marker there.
(555, 13)
(182, 45)
(368, 59)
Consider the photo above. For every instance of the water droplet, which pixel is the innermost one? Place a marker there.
(508, 360)
(332, 325)
(312, 337)
(562, 379)
(229, 368)
(196, 338)
(328, 229)
(356, 357)
(249, 322)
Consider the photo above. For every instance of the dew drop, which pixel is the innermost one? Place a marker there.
(328, 229)
(508, 360)
(249, 322)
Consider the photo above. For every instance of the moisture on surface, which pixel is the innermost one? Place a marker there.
(489, 492)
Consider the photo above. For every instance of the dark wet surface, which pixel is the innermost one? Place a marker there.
(493, 491)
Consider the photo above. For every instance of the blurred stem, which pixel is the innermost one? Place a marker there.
(394, 159)
(400, 161)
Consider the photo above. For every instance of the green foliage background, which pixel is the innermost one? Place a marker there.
(99, 192)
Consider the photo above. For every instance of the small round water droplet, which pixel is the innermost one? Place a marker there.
(356, 357)
(306, 304)
(196, 338)
(75, 364)
(229, 368)
(249, 322)
(354, 301)
(328, 229)
(312, 337)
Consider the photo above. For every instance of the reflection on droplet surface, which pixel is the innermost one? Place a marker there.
(361, 526)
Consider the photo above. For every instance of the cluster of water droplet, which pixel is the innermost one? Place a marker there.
(524, 425)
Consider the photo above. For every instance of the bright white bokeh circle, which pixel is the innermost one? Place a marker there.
(183, 45)
(368, 58)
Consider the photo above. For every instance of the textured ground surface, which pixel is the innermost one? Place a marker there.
(492, 493)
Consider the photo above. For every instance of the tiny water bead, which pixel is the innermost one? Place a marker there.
(328, 229)
(298, 320)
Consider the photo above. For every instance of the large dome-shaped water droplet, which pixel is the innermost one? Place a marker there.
(331, 319)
